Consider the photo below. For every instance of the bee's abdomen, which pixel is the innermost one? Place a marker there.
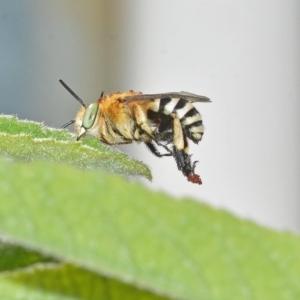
(189, 117)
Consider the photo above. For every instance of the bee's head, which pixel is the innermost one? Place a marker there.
(86, 118)
(86, 121)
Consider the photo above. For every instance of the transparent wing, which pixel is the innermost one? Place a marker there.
(184, 95)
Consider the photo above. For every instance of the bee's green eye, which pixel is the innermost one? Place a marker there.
(90, 115)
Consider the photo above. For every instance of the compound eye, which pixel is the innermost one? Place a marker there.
(90, 115)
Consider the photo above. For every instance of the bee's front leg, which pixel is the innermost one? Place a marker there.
(142, 120)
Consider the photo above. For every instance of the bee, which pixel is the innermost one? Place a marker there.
(162, 121)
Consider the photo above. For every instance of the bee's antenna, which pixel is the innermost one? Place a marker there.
(102, 94)
(74, 95)
(68, 123)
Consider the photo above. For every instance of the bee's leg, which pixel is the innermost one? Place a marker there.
(180, 149)
(180, 152)
(114, 144)
(154, 150)
(142, 120)
(179, 137)
(183, 161)
(184, 164)
(170, 153)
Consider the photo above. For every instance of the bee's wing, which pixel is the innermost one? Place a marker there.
(184, 95)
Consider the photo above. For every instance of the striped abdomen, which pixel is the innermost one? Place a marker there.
(188, 115)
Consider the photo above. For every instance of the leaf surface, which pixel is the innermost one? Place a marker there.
(117, 237)
(29, 141)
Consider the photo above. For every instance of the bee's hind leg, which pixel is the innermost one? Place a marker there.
(185, 165)
(180, 153)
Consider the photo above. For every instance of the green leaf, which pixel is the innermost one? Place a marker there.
(60, 279)
(116, 238)
(10, 290)
(28, 141)
(14, 256)
(35, 275)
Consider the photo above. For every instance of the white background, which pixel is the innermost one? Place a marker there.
(244, 55)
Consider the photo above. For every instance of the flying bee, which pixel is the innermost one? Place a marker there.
(164, 120)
